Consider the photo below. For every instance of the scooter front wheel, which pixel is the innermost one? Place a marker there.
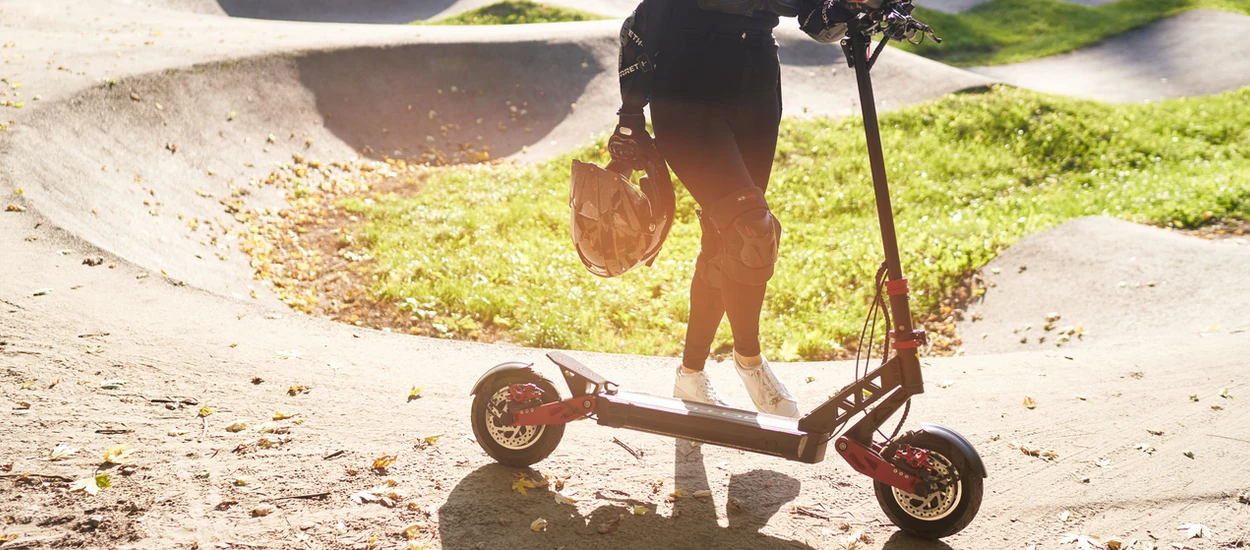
(513, 445)
(955, 495)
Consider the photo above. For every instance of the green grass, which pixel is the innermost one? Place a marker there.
(488, 246)
(512, 12)
(1008, 31)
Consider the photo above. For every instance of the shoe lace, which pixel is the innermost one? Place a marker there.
(706, 384)
(773, 384)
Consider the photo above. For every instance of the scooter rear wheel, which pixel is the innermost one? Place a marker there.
(514, 446)
(945, 511)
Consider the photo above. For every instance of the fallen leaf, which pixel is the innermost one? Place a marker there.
(414, 530)
(523, 484)
(415, 393)
(702, 494)
(226, 503)
(810, 379)
(236, 426)
(60, 452)
(1082, 542)
(1144, 448)
(382, 462)
(562, 498)
(255, 379)
(1224, 393)
(21, 405)
(1029, 403)
(206, 410)
(112, 384)
(283, 416)
(15, 208)
(361, 497)
(431, 439)
(1216, 408)
(1114, 544)
(54, 383)
(176, 433)
(263, 510)
(679, 493)
(91, 485)
(638, 510)
(117, 454)
(28, 384)
(1155, 432)
(1188, 454)
(1193, 397)
(296, 390)
(539, 524)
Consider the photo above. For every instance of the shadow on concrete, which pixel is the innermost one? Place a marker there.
(407, 101)
(481, 509)
(902, 541)
(336, 11)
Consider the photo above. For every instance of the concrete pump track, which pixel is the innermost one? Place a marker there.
(119, 82)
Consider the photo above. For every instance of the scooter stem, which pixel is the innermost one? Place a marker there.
(899, 308)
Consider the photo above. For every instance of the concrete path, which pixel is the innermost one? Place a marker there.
(1194, 53)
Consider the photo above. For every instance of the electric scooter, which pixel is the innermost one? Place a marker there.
(928, 481)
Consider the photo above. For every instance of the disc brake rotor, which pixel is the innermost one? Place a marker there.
(509, 437)
(938, 504)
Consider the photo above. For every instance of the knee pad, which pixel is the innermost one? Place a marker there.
(750, 236)
(711, 253)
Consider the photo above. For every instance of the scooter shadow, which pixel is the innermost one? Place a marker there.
(482, 512)
(902, 541)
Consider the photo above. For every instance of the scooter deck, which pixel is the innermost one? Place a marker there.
(711, 424)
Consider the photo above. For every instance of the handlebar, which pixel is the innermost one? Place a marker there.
(893, 19)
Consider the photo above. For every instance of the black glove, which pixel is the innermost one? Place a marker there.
(630, 144)
(825, 20)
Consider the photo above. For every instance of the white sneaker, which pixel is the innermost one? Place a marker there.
(696, 387)
(768, 393)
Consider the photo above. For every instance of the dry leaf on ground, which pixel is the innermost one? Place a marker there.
(1196, 530)
(1082, 542)
(117, 454)
(61, 452)
(283, 416)
(638, 510)
(431, 439)
(523, 485)
(298, 389)
(702, 494)
(263, 510)
(1029, 403)
(384, 461)
(91, 485)
(562, 498)
(539, 524)
(415, 393)
(236, 426)
(414, 530)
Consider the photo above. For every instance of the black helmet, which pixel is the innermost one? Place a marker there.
(616, 226)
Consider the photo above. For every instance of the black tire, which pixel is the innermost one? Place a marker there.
(521, 446)
(934, 520)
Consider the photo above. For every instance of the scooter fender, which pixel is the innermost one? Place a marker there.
(960, 442)
(497, 370)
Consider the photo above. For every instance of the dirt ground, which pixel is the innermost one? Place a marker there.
(1144, 411)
